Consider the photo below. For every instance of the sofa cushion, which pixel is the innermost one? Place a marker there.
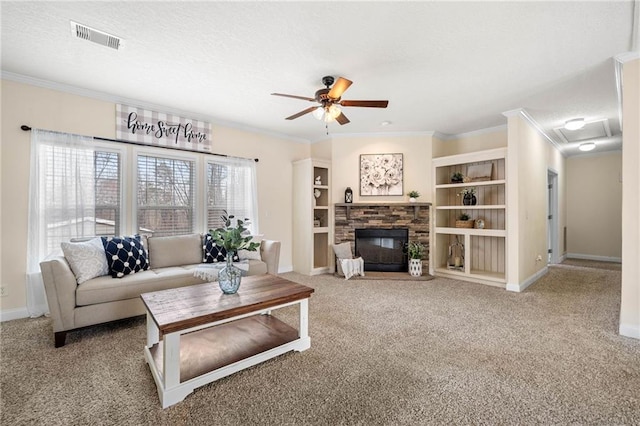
(213, 253)
(175, 250)
(251, 255)
(87, 259)
(106, 289)
(125, 255)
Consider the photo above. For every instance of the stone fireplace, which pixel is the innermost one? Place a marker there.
(414, 217)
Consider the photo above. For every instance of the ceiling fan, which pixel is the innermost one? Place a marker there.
(329, 98)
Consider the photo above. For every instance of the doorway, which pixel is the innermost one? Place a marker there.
(553, 248)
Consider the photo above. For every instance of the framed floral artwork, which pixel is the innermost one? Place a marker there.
(381, 174)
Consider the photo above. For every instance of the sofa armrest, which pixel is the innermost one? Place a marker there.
(60, 286)
(270, 254)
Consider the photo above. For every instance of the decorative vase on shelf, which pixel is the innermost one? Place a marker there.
(469, 200)
(415, 267)
(412, 200)
(229, 277)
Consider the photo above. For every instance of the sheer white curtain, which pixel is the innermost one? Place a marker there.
(232, 186)
(61, 195)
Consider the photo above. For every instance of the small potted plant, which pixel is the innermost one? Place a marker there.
(469, 196)
(464, 221)
(415, 249)
(413, 195)
(457, 177)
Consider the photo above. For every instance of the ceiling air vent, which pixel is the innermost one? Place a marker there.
(592, 130)
(91, 34)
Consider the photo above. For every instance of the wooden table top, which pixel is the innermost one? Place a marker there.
(185, 307)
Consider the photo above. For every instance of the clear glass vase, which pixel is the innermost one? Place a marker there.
(229, 276)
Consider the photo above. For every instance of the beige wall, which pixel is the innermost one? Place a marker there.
(630, 297)
(594, 206)
(473, 142)
(529, 158)
(321, 150)
(53, 110)
(345, 152)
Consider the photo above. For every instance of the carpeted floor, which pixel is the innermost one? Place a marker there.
(382, 353)
(585, 263)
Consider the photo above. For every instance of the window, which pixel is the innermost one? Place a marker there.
(74, 191)
(165, 195)
(231, 186)
(107, 183)
(81, 196)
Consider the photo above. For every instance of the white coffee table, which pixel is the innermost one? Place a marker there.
(197, 334)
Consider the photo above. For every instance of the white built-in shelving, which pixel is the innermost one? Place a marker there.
(485, 250)
(312, 216)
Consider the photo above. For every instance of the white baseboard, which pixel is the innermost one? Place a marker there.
(13, 314)
(594, 257)
(526, 283)
(562, 258)
(630, 330)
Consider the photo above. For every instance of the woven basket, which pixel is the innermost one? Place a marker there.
(464, 223)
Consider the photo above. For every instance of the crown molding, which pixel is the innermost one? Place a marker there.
(441, 136)
(619, 61)
(524, 114)
(447, 137)
(513, 112)
(627, 57)
(107, 97)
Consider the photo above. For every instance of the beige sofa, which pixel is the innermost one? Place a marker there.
(172, 261)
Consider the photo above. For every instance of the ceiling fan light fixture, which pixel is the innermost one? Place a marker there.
(318, 113)
(334, 111)
(327, 113)
(587, 146)
(575, 124)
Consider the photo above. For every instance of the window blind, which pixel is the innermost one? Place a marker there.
(81, 196)
(166, 190)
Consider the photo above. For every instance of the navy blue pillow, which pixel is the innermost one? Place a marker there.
(125, 255)
(212, 253)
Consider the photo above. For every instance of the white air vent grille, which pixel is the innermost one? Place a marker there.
(91, 34)
(592, 130)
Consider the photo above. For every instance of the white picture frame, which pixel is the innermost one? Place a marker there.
(381, 174)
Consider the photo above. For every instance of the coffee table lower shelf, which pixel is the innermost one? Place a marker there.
(209, 354)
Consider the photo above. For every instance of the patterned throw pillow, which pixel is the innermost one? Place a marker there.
(212, 253)
(125, 255)
(87, 259)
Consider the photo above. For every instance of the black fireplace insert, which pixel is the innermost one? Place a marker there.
(383, 249)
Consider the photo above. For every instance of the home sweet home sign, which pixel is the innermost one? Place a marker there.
(159, 129)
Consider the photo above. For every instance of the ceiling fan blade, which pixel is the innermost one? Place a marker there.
(301, 113)
(367, 104)
(342, 119)
(304, 98)
(339, 87)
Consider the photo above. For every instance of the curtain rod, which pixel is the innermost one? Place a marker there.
(27, 128)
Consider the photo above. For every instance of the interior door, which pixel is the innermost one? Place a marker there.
(552, 217)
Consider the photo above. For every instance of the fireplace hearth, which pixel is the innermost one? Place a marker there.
(383, 249)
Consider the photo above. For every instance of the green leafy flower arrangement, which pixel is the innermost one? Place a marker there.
(233, 238)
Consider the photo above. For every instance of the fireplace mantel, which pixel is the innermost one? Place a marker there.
(416, 206)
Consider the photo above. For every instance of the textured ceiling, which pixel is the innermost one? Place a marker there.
(450, 67)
